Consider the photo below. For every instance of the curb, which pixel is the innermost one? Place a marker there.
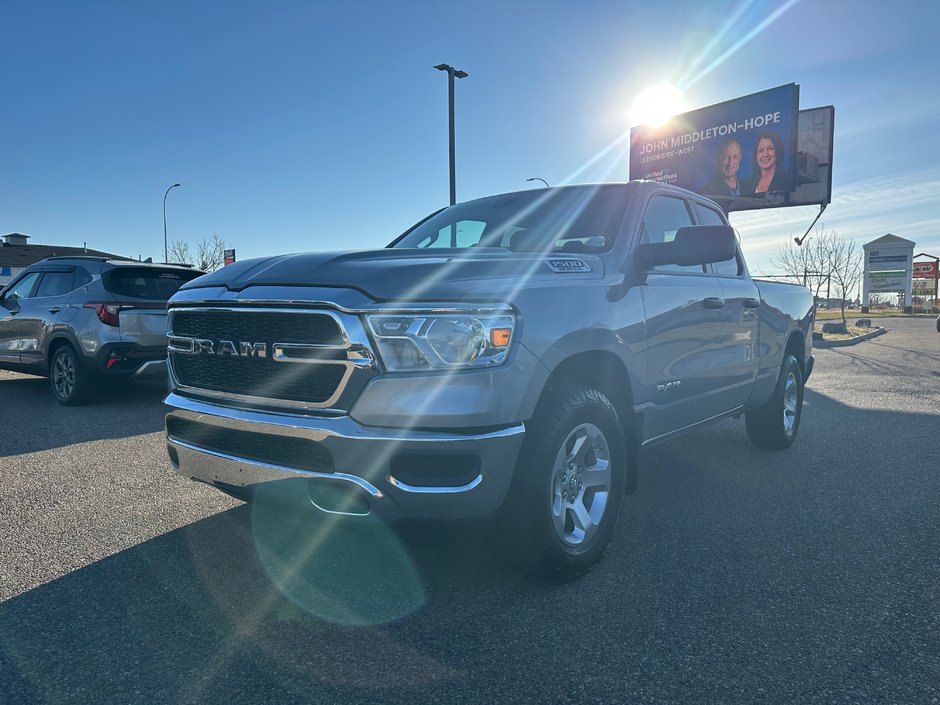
(849, 341)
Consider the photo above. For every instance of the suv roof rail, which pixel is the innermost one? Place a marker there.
(93, 258)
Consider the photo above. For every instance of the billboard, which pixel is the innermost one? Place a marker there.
(229, 257)
(925, 270)
(742, 153)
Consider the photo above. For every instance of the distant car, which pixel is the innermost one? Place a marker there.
(82, 320)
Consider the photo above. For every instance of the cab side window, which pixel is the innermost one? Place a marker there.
(664, 216)
(709, 216)
(23, 289)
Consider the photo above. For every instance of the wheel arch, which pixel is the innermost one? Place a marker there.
(796, 346)
(607, 372)
(56, 341)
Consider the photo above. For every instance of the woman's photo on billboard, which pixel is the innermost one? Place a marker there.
(767, 171)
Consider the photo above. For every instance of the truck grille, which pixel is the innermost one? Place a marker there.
(261, 377)
(258, 324)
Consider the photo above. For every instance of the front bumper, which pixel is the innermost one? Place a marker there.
(368, 469)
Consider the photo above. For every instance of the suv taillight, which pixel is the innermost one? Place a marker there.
(107, 313)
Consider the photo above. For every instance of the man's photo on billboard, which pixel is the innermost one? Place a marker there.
(768, 173)
(725, 180)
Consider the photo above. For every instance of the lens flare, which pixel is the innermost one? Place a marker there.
(656, 104)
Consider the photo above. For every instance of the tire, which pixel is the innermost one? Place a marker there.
(560, 516)
(776, 423)
(69, 382)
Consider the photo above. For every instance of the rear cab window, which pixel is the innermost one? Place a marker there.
(150, 283)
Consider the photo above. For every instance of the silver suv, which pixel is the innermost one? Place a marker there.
(84, 320)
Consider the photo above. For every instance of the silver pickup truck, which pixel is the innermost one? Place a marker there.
(509, 355)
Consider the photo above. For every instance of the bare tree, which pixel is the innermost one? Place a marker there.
(178, 253)
(809, 263)
(845, 267)
(210, 253)
(825, 258)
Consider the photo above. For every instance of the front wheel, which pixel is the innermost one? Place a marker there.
(569, 484)
(776, 423)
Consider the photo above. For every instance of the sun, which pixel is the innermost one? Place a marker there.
(656, 104)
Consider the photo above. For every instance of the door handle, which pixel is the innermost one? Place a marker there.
(55, 309)
(751, 303)
(713, 302)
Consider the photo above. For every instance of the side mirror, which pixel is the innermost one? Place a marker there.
(693, 244)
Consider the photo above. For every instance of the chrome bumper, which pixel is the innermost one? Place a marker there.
(362, 463)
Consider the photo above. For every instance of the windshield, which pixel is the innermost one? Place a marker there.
(582, 219)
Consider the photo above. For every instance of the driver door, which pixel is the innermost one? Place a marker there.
(682, 305)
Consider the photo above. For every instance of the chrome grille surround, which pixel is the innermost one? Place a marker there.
(352, 352)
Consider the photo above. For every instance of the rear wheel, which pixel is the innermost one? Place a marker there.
(776, 423)
(70, 384)
(569, 484)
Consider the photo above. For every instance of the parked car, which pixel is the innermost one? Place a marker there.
(511, 354)
(83, 320)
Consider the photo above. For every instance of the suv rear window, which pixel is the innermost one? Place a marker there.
(146, 282)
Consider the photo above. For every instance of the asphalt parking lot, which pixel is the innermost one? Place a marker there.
(736, 575)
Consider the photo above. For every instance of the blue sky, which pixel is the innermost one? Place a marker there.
(299, 126)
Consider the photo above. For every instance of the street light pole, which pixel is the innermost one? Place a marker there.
(165, 256)
(451, 74)
(535, 178)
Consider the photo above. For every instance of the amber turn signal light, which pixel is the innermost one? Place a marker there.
(499, 337)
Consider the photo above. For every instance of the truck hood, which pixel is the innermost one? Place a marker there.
(406, 274)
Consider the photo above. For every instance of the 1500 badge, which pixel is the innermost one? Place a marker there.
(567, 265)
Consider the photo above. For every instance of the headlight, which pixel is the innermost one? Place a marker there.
(416, 341)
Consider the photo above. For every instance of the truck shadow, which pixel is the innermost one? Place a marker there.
(34, 421)
(725, 556)
(231, 597)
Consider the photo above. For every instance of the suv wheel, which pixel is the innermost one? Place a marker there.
(69, 383)
(569, 484)
(776, 423)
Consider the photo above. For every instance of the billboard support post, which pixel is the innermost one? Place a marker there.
(799, 240)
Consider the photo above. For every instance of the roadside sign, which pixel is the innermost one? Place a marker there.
(925, 270)
(229, 257)
(887, 282)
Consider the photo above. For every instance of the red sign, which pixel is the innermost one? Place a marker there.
(925, 270)
(229, 257)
